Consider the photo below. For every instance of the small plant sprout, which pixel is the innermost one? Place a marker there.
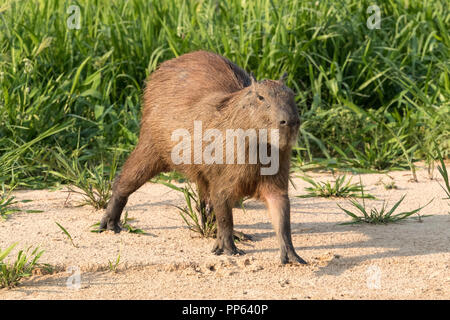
(390, 185)
(113, 265)
(387, 185)
(66, 233)
(23, 266)
(340, 189)
(130, 228)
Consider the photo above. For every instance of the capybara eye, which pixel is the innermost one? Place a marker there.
(261, 98)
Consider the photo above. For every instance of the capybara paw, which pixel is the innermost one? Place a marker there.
(217, 251)
(292, 257)
(107, 224)
(231, 250)
(235, 252)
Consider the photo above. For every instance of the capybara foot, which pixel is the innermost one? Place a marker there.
(226, 247)
(240, 236)
(292, 257)
(109, 224)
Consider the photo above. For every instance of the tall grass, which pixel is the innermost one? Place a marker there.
(371, 99)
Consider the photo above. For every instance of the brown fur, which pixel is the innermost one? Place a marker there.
(203, 86)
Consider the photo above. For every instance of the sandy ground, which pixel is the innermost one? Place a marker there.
(407, 260)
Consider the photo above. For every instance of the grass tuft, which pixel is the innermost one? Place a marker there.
(114, 265)
(93, 183)
(194, 214)
(340, 189)
(22, 267)
(381, 215)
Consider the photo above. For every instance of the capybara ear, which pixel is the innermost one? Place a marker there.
(283, 77)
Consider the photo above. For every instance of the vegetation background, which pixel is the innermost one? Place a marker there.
(368, 99)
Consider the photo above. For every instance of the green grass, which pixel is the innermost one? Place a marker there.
(390, 185)
(67, 234)
(340, 189)
(368, 99)
(11, 273)
(92, 182)
(193, 214)
(130, 228)
(381, 215)
(8, 202)
(113, 265)
(444, 174)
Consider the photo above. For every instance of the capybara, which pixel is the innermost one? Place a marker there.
(203, 90)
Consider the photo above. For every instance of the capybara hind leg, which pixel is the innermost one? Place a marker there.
(207, 207)
(138, 169)
(204, 196)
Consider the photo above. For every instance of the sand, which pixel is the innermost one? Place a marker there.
(406, 260)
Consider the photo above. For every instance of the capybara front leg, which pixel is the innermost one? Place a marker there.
(224, 241)
(279, 210)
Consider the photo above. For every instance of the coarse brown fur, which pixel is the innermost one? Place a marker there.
(203, 86)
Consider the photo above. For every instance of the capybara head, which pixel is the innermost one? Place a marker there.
(272, 106)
